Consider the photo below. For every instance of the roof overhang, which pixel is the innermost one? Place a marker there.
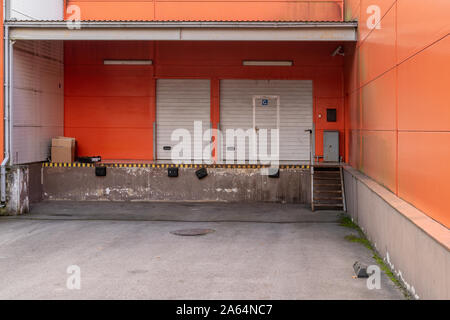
(183, 30)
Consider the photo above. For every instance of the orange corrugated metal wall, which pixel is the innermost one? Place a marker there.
(111, 109)
(398, 114)
(283, 10)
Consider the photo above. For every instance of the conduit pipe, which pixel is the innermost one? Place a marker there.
(8, 59)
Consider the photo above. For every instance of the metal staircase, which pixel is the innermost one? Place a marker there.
(327, 188)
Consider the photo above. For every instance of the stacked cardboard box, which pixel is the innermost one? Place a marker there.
(63, 149)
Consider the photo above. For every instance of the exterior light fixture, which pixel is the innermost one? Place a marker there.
(128, 62)
(267, 63)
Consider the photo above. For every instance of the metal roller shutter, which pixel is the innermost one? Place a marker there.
(295, 112)
(38, 99)
(179, 103)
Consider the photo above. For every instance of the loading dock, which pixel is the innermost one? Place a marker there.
(127, 112)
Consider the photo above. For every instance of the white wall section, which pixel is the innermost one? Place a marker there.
(36, 9)
(38, 99)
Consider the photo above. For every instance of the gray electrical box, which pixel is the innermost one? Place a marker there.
(331, 146)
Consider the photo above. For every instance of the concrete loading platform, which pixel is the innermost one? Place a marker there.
(150, 182)
(288, 183)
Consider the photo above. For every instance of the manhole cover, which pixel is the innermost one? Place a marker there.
(192, 232)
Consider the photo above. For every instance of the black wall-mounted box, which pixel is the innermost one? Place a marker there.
(331, 115)
(100, 171)
(201, 173)
(172, 172)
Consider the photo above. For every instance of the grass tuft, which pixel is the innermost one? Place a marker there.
(361, 238)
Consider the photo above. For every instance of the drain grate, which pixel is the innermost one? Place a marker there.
(192, 232)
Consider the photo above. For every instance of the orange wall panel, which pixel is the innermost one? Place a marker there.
(85, 53)
(378, 151)
(402, 74)
(329, 82)
(109, 109)
(276, 10)
(378, 103)
(351, 68)
(354, 146)
(424, 172)
(354, 111)
(115, 10)
(108, 80)
(424, 89)
(227, 11)
(377, 52)
(420, 23)
(108, 112)
(113, 143)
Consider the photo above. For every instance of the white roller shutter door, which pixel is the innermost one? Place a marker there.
(179, 103)
(38, 99)
(295, 113)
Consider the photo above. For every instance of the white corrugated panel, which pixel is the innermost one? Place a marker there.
(37, 9)
(295, 113)
(38, 99)
(179, 103)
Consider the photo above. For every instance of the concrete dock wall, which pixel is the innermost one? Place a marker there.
(153, 184)
(415, 246)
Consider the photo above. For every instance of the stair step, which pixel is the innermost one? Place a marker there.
(327, 169)
(325, 189)
(328, 205)
(327, 172)
(328, 191)
(327, 184)
(329, 202)
(330, 198)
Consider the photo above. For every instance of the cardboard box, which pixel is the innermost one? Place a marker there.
(63, 149)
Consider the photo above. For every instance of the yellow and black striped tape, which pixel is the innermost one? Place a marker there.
(70, 165)
(193, 166)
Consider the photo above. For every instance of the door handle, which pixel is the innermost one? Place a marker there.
(308, 130)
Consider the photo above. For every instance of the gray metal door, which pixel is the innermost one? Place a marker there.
(331, 146)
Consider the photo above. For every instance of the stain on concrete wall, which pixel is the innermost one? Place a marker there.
(153, 184)
(17, 198)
